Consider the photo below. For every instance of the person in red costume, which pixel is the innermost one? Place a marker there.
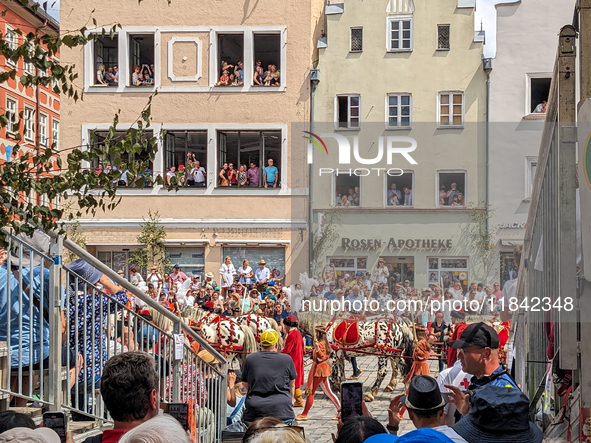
(457, 320)
(294, 347)
(420, 366)
(319, 373)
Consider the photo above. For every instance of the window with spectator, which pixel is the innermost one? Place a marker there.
(347, 190)
(539, 90)
(452, 189)
(267, 60)
(106, 58)
(141, 60)
(99, 138)
(187, 151)
(244, 158)
(399, 190)
(230, 60)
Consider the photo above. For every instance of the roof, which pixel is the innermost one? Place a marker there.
(35, 14)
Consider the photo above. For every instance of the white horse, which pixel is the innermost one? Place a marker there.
(258, 324)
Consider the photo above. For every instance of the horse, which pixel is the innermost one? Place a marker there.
(225, 334)
(389, 340)
(258, 324)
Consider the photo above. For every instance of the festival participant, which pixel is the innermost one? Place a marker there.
(420, 365)
(294, 347)
(456, 377)
(458, 326)
(319, 373)
(437, 334)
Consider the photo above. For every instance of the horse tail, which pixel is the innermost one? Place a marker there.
(161, 321)
(408, 347)
(273, 323)
(250, 344)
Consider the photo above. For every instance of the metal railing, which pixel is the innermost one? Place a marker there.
(61, 320)
(548, 268)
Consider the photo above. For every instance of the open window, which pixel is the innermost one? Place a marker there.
(400, 190)
(11, 40)
(452, 188)
(55, 133)
(347, 190)
(141, 59)
(106, 61)
(43, 130)
(11, 115)
(100, 138)
(254, 155)
(539, 89)
(348, 111)
(531, 164)
(267, 51)
(29, 116)
(187, 150)
(230, 70)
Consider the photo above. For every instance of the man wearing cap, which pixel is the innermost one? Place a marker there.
(177, 276)
(294, 347)
(425, 404)
(498, 415)
(478, 351)
(195, 283)
(262, 276)
(480, 294)
(269, 379)
(357, 280)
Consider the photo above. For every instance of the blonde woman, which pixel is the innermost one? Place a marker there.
(101, 76)
(227, 272)
(319, 373)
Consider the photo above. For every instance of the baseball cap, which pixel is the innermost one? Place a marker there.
(269, 337)
(480, 284)
(477, 334)
(176, 266)
(39, 435)
(359, 273)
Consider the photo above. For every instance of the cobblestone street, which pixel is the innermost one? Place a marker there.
(320, 423)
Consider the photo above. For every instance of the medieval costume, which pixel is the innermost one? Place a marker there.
(294, 347)
(420, 365)
(457, 329)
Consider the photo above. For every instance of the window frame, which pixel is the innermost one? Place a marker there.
(440, 269)
(438, 185)
(90, 61)
(412, 189)
(529, 162)
(333, 187)
(399, 18)
(448, 26)
(528, 78)
(450, 94)
(360, 28)
(9, 130)
(29, 125)
(336, 113)
(128, 82)
(29, 67)
(399, 106)
(13, 44)
(347, 270)
(43, 138)
(55, 140)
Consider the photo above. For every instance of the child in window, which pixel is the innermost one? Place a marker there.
(136, 77)
(224, 79)
(148, 80)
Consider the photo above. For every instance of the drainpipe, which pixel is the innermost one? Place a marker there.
(487, 67)
(315, 79)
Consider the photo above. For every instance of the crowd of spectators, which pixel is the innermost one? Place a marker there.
(349, 199)
(233, 75)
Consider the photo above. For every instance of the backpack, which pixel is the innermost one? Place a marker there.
(95, 439)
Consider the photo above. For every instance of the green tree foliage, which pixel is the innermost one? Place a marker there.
(67, 174)
(481, 238)
(152, 252)
(326, 240)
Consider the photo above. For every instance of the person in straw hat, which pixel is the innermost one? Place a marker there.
(262, 276)
(269, 380)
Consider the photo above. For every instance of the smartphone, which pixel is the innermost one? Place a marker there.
(351, 397)
(180, 411)
(57, 422)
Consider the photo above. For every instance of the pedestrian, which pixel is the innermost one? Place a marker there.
(177, 276)
(498, 415)
(294, 347)
(262, 276)
(319, 373)
(425, 404)
(456, 377)
(269, 380)
(478, 351)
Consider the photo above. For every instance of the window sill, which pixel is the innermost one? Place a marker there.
(348, 129)
(99, 88)
(443, 49)
(399, 207)
(538, 116)
(526, 200)
(450, 126)
(355, 52)
(393, 51)
(152, 88)
(398, 128)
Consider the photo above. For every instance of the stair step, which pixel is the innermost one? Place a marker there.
(31, 412)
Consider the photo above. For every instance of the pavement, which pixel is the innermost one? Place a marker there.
(320, 423)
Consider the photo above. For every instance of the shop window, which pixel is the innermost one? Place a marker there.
(400, 34)
(230, 56)
(267, 51)
(275, 258)
(508, 268)
(356, 39)
(191, 260)
(443, 37)
(451, 109)
(452, 189)
(443, 270)
(106, 60)
(399, 110)
(141, 60)
(347, 190)
(187, 150)
(539, 90)
(348, 111)
(244, 150)
(101, 137)
(399, 190)
(348, 265)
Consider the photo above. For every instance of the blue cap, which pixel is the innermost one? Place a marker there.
(176, 266)
(359, 273)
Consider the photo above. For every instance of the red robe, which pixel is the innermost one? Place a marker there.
(452, 354)
(294, 347)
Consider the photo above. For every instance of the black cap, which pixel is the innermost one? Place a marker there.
(478, 334)
(498, 415)
(424, 395)
(457, 314)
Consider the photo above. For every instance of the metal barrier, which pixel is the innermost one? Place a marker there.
(548, 268)
(93, 326)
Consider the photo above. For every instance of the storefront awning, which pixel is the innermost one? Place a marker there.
(251, 242)
(511, 241)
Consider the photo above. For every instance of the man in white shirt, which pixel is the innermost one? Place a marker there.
(198, 174)
(456, 377)
(425, 404)
(262, 276)
(456, 292)
(155, 278)
(480, 294)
